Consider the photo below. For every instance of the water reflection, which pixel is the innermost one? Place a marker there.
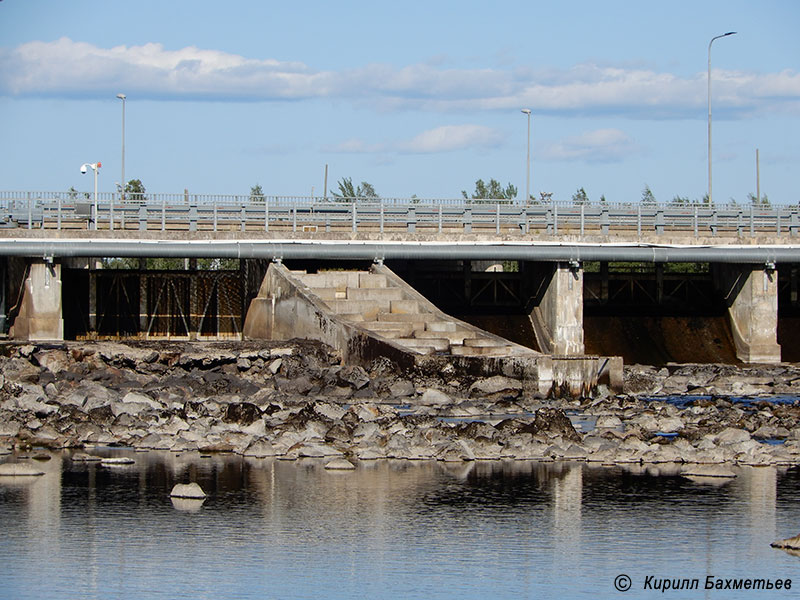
(420, 529)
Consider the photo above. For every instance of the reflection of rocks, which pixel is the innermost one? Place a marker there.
(298, 402)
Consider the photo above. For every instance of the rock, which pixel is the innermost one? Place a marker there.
(496, 388)
(19, 470)
(402, 388)
(356, 377)
(433, 397)
(552, 422)
(340, 464)
(275, 365)
(789, 543)
(260, 448)
(243, 364)
(84, 457)
(242, 413)
(117, 460)
(608, 422)
(187, 490)
(731, 435)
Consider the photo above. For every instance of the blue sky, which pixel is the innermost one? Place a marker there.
(414, 97)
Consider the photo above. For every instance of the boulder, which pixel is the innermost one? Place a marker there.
(242, 413)
(433, 397)
(402, 388)
(732, 435)
(187, 490)
(788, 544)
(340, 464)
(260, 448)
(496, 388)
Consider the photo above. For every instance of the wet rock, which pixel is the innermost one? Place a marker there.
(496, 388)
(187, 490)
(355, 377)
(732, 435)
(241, 413)
(434, 397)
(340, 464)
(788, 544)
(552, 422)
(402, 388)
(260, 448)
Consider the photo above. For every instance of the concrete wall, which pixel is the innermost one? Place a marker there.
(40, 317)
(751, 294)
(558, 318)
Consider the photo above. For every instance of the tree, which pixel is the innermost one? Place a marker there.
(348, 192)
(580, 197)
(755, 201)
(648, 198)
(134, 190)
(256, 193)
(680, 201)
(494, 191)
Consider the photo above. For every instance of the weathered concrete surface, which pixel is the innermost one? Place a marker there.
(387, 318)
(40, 317)
(752, 297)
(558, 320)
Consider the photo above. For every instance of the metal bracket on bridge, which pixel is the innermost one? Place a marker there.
(574, 267)
(378, 260)
(769, 269)
(278, 260)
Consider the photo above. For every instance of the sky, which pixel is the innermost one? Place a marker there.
(416, 98)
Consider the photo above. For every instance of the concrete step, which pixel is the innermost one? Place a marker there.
(407, 317)
(368, 308)
(389, 329)
(332, 279)
(405, 306)
(449, 326)
(327, 293)
(437, 344)
(372, 280)
(374, 293)
(355, 317)
(482, 342)
(481, 351)
(454, 337)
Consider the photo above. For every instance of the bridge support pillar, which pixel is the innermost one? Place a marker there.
(40, 317)
(751, 294)
(558, 318)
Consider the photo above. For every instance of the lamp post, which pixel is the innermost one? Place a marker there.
(94, 167)
(527, 111)
(122, 180)
(709, 108)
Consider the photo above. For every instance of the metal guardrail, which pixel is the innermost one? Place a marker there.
(196, 212)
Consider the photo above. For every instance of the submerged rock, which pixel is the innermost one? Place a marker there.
(340, 464)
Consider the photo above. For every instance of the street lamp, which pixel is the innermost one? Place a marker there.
(122, 180)
(709, 108)
(527, 111)
(94, 167)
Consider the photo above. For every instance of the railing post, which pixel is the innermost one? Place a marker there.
(605, 221)
(752, 220)
(58, 214)
(659, 224)
(30, 211)
(639, 220)
(467, 220)
(548, 219)
(793, 223)
(739, 224)
(294, 218)
(243, 218)
(193, 217)
(555, 219)
(381, 217)
(778, 220)
(440, 218)
(411, 222)
(143, 217)
(583, 219)
(695, 221)
(355, 226)
(497, 219)
(266, 215)
(215, 214)
(163, 215)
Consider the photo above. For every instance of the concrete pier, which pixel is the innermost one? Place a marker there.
(558, 319)
(40, 315)
(751, 294)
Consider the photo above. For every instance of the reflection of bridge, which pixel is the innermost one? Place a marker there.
(559, 253)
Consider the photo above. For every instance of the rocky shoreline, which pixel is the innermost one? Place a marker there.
(296, 400)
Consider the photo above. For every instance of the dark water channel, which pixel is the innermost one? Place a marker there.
(389, 529)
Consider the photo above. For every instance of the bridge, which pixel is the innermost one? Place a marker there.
(551, 261)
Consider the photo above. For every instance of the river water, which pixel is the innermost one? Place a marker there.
(390, 529)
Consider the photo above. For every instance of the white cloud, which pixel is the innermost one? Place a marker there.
(601, 145)
(446, 138)
(67, 68)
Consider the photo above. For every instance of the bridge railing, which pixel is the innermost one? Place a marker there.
(205, 212)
